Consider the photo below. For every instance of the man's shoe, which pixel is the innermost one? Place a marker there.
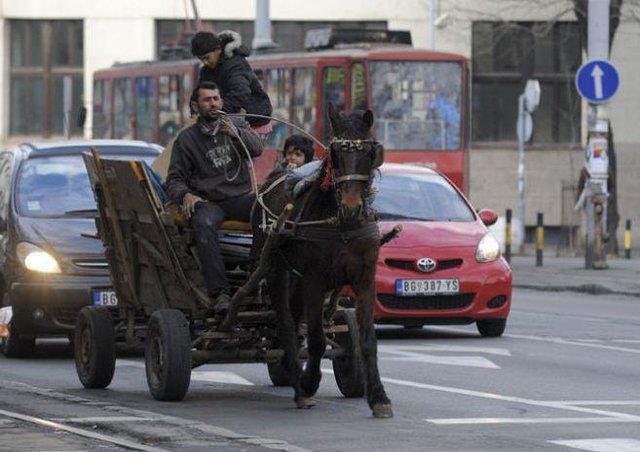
(221, 306)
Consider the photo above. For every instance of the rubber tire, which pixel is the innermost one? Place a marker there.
(17, 347)
(96, 370)
(168, 355)
(349, 369)
(278, 374)
(491, 327)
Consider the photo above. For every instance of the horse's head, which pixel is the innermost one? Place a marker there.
(354, 156)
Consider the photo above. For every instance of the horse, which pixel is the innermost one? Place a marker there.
(332, 241)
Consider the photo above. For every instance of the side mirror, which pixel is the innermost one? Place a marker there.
(488, 216)
(81, 117)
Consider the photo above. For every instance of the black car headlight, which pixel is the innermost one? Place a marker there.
(36, 259)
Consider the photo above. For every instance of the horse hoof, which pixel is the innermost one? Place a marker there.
(382, 410)
(305, 402)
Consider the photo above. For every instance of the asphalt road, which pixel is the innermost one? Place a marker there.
(563, 377)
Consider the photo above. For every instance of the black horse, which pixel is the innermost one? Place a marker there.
(332, 241)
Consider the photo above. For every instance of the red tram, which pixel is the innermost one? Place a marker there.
(420, 100)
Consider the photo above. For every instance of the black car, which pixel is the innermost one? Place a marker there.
(51, 263)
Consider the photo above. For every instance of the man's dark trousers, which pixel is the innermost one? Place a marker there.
(207, 218)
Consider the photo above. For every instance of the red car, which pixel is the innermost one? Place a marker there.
(445, 267)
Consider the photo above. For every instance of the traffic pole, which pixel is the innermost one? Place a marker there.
(627, 240)
(508, 236)
(539, 239)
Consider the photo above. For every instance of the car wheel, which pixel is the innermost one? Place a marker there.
(491, 327)
(16, 346)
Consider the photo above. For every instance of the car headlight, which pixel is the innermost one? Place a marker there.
(36, 259)
(488, 249)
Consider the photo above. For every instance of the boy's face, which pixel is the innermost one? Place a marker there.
(294, 157)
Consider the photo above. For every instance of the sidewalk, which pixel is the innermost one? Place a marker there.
(568, 273)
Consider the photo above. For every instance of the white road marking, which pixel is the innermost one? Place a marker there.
(502, 398)
(530, 420)
(415, 353)
(602, 444)
(627, 341)
(559, 340)
(468, 361)
(446, 348)
(599, 402)
(80, 432)
(198, 375)
(219, 377)
(99, 419)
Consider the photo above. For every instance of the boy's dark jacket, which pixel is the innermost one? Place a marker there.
(239, 85)
(203, 164)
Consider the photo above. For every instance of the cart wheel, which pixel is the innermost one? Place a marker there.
(94, 347)
(278, 374)
(16, 346)
(168, 355)
(349, 369)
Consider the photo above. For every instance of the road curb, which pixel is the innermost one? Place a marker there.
(592, 289)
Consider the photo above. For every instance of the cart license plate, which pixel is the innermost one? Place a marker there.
(409, 287)
(105, 298)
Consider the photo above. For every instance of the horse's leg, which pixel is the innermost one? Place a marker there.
(376, 395)
(287, 335)
(312, 294)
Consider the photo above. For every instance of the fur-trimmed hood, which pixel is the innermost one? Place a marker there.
(232, 43)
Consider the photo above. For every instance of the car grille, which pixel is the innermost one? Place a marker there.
(91, 263)
(410, 264)
(456, 301)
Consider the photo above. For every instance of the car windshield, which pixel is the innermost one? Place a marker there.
(424, 197)
(58, 186)
(417, 104)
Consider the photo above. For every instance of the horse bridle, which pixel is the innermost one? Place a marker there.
(346, 145)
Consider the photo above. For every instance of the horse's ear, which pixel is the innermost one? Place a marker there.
(334, 115)
(367, 117)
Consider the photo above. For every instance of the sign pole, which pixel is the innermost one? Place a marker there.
(521, 205)
(598, 49)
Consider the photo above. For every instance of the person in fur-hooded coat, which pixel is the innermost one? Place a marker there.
(225, 63)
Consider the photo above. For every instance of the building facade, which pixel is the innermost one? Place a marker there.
(47, 45)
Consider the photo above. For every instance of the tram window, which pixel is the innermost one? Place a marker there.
(277, 89)
(358, 87)
(333, 92)
(102, 109)
(123, 108)
(169, 104)
(145, 108)
(304, 98)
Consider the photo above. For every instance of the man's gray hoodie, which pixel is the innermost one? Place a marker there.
(211, 164)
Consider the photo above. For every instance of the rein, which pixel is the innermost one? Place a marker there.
(327, 180)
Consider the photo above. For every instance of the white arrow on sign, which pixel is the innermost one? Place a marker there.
(597, 80)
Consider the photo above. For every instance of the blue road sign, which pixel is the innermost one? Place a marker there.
(597, 81)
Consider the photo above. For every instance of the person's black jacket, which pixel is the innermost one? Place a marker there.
(239, 85)
(213, 167)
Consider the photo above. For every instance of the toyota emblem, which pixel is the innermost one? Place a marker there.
(426, 264)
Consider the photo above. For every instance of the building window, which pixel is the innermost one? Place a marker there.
(289, 35)
(505, 55)
(42, 55)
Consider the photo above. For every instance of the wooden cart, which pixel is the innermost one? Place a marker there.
(162, 301)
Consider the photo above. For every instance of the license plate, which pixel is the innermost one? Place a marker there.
(409, 287)
(105, 298)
